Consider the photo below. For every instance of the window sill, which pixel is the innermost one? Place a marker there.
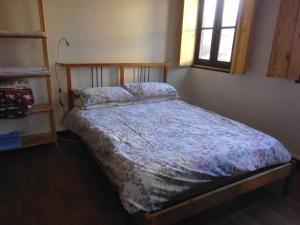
(211, 68)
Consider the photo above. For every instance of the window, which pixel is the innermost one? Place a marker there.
(217, 21)
(216, 34)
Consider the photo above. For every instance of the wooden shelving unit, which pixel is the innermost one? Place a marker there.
(41, 108)
(13, 73)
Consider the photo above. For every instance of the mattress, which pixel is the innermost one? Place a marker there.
(155, 151)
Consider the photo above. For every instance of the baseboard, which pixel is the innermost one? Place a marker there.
(67, 136)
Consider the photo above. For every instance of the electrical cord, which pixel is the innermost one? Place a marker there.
(60, 97)
(58, 81)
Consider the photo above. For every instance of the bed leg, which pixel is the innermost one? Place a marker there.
(286, 186)
(288, 180)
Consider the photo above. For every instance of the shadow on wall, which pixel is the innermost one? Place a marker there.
(178, 76)
(267, 104)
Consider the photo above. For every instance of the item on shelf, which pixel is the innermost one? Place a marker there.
(14, 112)
(10, 141)
(15, 100)
(14, 84)
(22, 71)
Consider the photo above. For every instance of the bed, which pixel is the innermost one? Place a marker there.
(169, 159)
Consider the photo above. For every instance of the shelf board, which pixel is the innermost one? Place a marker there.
(34, 140)
(23, 72)
(41, 108)
(23, 76)
(15, 34)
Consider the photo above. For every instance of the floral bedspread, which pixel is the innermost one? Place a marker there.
(154, 151)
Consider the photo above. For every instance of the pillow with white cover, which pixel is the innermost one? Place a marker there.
(100, 97)
(152, 90)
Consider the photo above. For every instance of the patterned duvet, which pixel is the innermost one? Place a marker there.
(155, 151)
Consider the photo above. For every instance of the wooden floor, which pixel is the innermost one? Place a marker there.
(64, 186)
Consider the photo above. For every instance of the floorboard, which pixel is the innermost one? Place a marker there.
(64, 186)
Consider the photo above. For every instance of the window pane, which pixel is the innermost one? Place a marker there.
(209, 13)
(205, 44)
(226, 43)
(230, 12)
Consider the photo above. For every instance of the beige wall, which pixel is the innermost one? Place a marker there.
(149, 30)
(116, 31)
(99, 31)
(268, 104)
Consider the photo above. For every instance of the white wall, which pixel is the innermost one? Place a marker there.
(149, 30)
(116, 31)
(268, 104)
(99, 31)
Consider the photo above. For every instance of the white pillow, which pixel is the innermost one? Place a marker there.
(99, 97)
(151, 90)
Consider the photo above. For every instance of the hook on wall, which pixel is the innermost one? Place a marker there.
(67, 43)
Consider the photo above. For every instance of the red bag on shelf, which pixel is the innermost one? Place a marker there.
(15, 101)
(16, 97)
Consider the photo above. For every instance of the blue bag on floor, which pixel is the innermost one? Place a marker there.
(10, 141)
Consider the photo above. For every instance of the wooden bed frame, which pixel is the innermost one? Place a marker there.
(143, 72)
(203, 201)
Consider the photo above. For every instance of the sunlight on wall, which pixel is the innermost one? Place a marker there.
(188, 32)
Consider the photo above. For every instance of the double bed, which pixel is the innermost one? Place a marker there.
(169, 159)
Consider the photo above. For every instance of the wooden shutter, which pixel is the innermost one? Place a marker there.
(284, 62)
(188, 35)
(242, 39)
(243, 36)
(294, 67)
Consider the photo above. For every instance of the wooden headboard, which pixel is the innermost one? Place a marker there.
(96, 68)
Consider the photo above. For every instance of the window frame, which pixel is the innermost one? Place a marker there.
(216, 37)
